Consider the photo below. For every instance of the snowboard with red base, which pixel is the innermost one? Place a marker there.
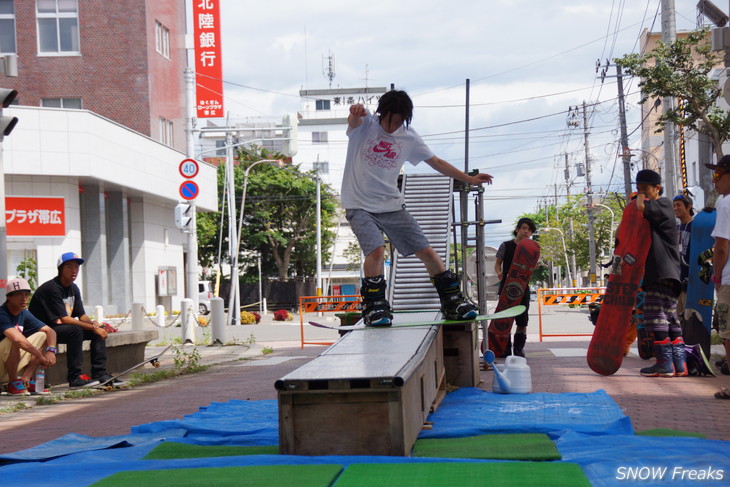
(523, 264)
(605, 352)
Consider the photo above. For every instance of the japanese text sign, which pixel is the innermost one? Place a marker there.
(208, 59)
(35, 217)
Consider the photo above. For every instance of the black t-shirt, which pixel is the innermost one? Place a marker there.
(53, 301)
(663, 259)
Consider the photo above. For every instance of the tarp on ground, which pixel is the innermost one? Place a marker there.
(602, 442)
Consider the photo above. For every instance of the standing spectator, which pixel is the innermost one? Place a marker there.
(721, 277)
(22, 341)
(661, 278)
(58, 304)
(506, 252)
(685, 214)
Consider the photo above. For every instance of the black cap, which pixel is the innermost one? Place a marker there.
(647, 176)
(723, 164)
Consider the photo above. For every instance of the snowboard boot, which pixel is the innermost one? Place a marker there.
(376, 310)
(664, 366)
(679, 357)
(454, 306)
(518, 349)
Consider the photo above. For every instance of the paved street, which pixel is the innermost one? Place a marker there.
(245, 372)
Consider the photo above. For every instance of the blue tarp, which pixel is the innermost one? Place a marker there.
(589, 429)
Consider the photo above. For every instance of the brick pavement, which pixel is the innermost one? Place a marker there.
(557, 366)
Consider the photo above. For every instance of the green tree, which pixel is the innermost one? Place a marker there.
(279, 218)
(681, 69)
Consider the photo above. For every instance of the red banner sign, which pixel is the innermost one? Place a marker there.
(208, 58)
(35, 217)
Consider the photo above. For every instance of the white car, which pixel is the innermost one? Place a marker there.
(205, 292)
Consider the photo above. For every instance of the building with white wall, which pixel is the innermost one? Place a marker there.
(119, 189)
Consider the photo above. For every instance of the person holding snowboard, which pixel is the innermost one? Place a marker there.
(378, 146)
(524, 229)
(661, 278)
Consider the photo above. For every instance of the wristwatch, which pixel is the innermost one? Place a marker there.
(53, 350)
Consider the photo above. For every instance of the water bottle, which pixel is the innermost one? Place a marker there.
(40, 380)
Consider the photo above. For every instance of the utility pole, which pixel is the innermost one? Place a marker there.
(570, 224)
(589, 209)
(191, 270)
(669, 35)
(625, 152)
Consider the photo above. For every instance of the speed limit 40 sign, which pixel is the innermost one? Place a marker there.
(189, 168)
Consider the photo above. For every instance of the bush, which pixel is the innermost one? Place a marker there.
(257, 316)
(249, 318)
(283, 315)
(203, 321)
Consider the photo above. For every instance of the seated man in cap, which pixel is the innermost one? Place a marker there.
(23, 340)
(58, 303)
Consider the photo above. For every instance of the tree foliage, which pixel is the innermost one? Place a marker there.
(682, 69)
(279, 221)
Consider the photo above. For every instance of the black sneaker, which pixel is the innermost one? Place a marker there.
(82, 381)
(116, 382)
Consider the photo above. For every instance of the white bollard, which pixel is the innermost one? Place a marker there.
(160, 316)
(217, 321)
(137, 316)
(266, 311)
(99, 313)
(187, 320)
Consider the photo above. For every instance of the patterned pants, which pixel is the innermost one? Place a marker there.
(660, 308)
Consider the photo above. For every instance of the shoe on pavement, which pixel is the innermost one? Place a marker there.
(82, 381)
(16, 388)
(106, 377)
(30, 385)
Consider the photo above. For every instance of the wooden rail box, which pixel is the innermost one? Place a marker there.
(368, 394)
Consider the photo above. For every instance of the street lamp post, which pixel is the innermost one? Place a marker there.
(234, 295)
(565, 250)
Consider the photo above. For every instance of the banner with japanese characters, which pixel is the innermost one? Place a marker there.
(208, 59)
(35, 217)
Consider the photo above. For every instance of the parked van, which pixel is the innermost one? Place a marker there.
(205, 292)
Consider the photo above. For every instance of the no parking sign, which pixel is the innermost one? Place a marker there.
(189, 190)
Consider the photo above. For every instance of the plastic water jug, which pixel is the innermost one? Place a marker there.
(516, 374)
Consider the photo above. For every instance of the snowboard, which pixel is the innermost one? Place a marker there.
(605, 351)
(697, 319)
(518, 278)
(513, 311)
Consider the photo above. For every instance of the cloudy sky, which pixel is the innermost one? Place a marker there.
(528, 62)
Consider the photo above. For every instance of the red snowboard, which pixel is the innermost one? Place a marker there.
(605, 352)
(518, 278)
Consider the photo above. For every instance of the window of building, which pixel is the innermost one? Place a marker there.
(62, 103)
(322, 104)
(221, 146)
(319, 137)
(162, 39)
(7, 27)
(58, 26)
(322, 167)
(166, 131)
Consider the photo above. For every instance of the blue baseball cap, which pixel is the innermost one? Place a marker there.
(69, 257)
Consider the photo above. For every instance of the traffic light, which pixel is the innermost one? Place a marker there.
(184, 216)
(7, 123)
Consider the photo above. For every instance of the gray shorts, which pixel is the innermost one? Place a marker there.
(400, 227)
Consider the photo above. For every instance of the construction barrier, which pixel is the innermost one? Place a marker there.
(326, 304)
(569, 296)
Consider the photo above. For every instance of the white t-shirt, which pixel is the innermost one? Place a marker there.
(374, 161)
(722, 230)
